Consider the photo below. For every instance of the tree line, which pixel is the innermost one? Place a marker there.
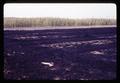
(49, 21)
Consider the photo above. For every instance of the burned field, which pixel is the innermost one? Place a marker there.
(65, 54)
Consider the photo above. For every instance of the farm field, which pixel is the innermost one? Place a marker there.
(60, 54)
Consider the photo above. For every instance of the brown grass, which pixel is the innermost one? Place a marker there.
(40, 22)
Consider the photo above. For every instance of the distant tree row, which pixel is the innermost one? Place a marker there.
(40, 22)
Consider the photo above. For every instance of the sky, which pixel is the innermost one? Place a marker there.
(61, 10)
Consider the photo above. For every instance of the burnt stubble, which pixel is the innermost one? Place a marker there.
(64, 54)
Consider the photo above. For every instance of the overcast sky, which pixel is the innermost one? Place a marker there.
(62, 10)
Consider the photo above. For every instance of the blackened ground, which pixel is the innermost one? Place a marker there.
(71, 54)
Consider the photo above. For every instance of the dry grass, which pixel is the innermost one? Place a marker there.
(39, 22)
